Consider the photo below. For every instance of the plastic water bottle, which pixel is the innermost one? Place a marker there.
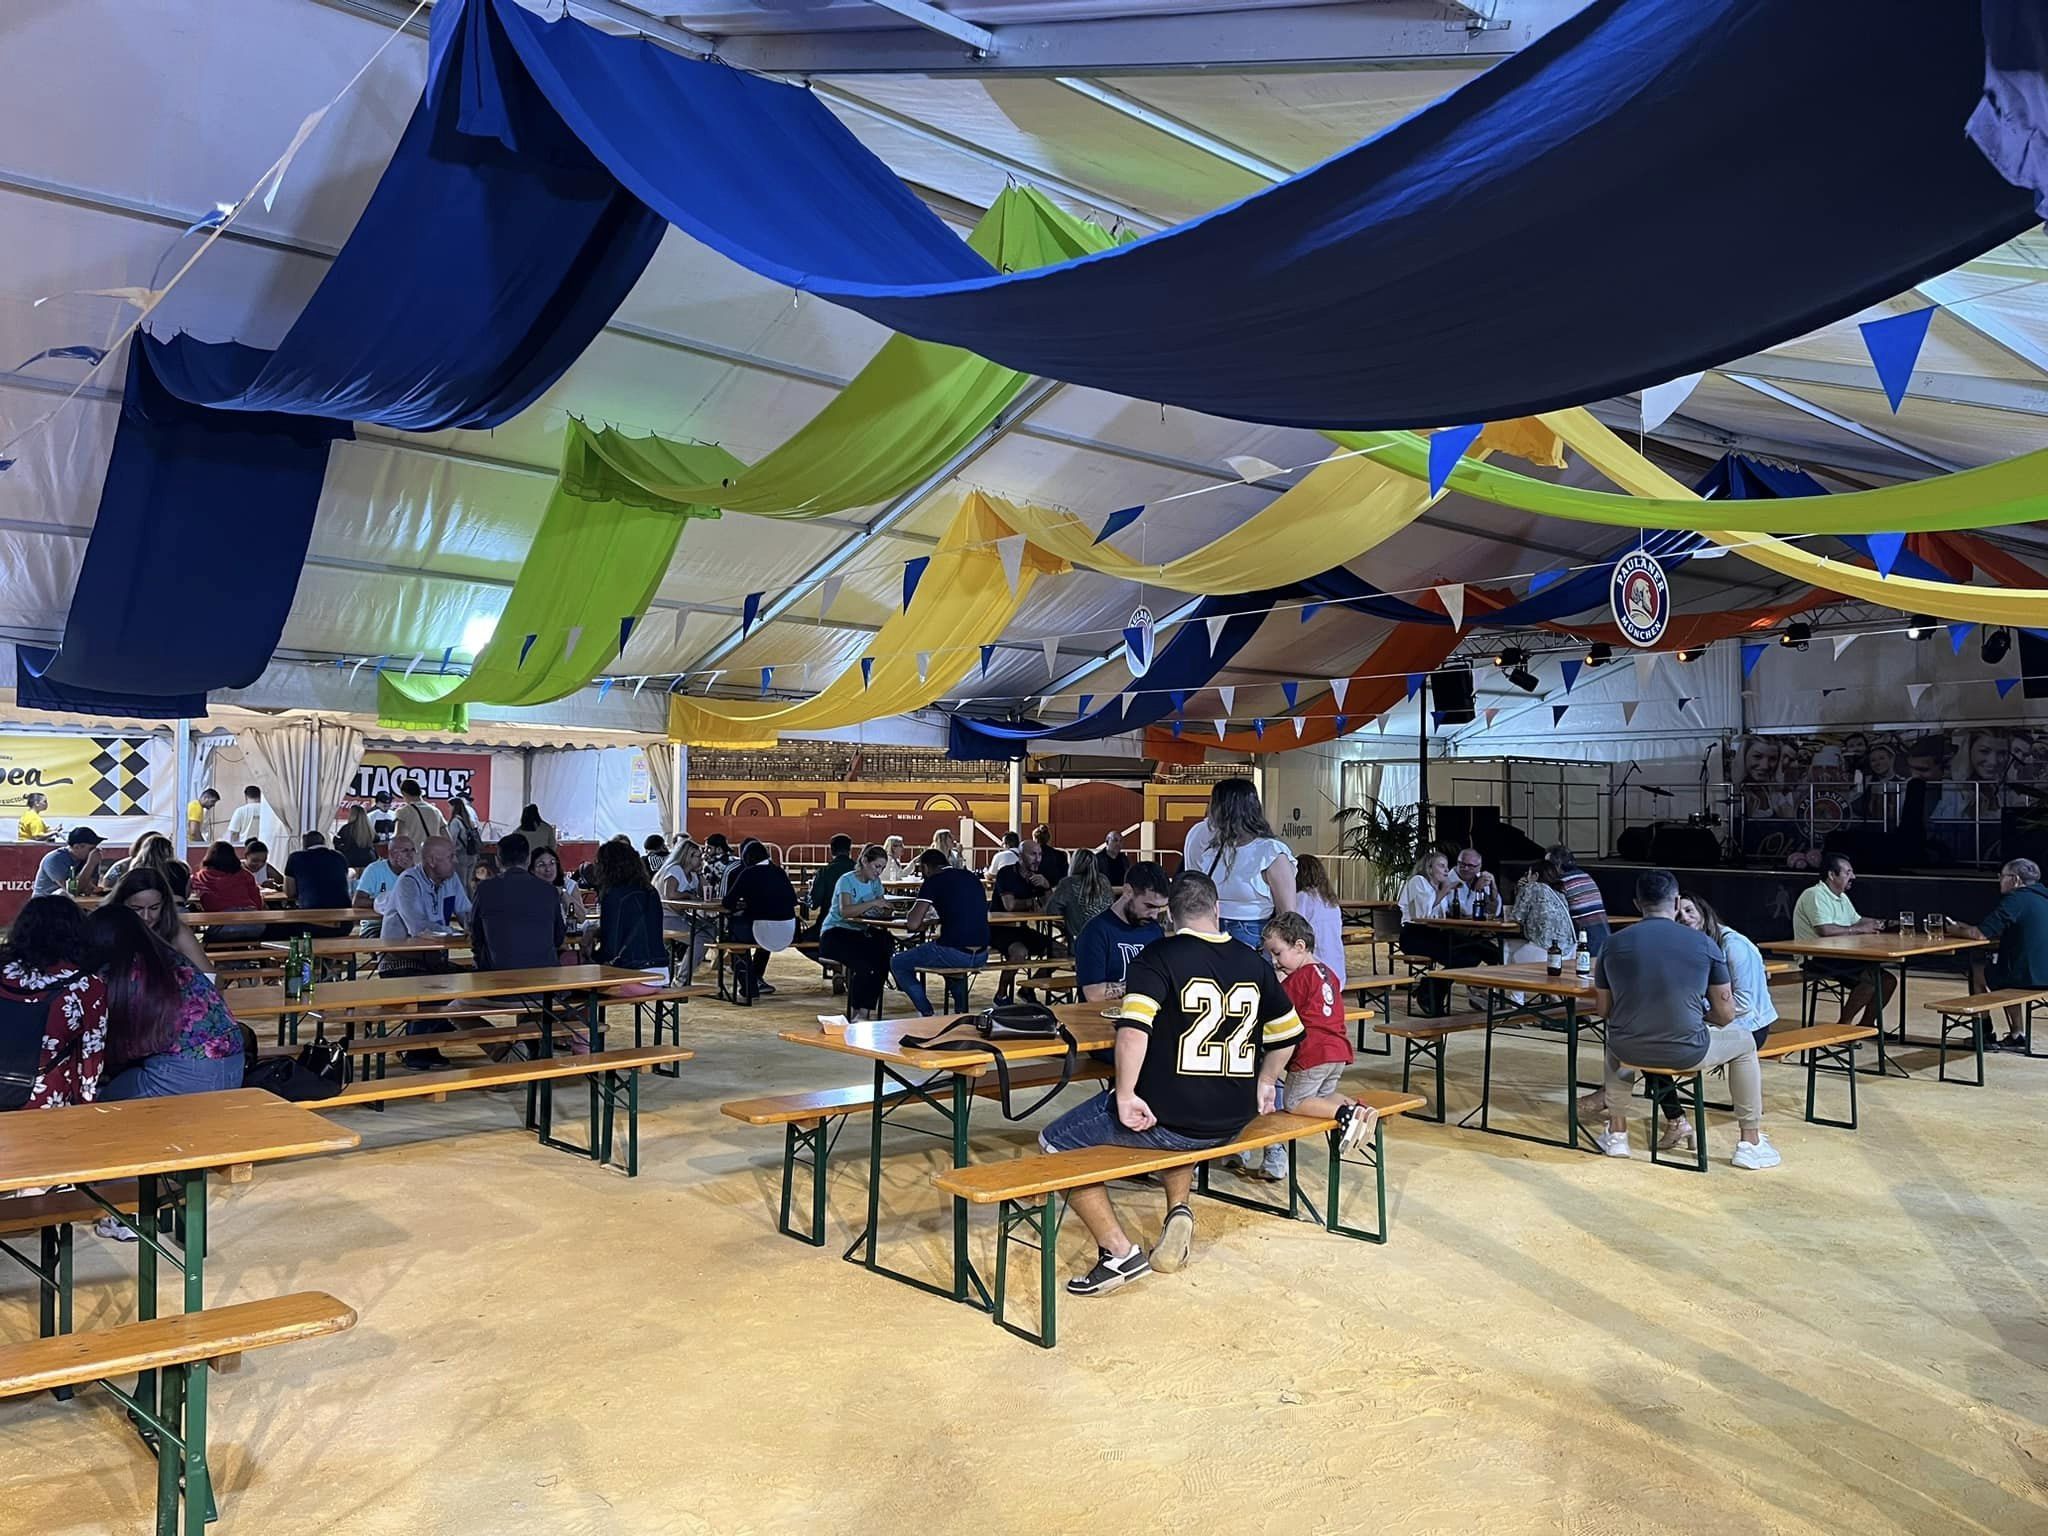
(1585, 961)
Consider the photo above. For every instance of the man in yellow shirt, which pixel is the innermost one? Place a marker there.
(1824, 911)
(31, 828)
(198, 814)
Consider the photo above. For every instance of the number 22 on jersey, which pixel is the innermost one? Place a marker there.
(1204, 1048)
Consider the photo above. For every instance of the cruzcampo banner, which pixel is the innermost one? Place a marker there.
(83, 775)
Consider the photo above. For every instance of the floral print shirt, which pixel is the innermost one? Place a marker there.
(74, 1034)
(206, 1030)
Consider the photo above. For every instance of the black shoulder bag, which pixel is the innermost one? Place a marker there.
(23, 1023)
(1006, 1021)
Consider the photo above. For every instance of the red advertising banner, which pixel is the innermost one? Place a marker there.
(442, 775)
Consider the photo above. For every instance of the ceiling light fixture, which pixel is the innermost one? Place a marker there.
(1919, 627)
(1796, 636)
(1688, 654)
(1510, 657)
(1523, 679)
(1996, 644)
(1601, 654)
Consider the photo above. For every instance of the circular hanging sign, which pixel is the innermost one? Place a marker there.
(1640, 598)
(1138, 641)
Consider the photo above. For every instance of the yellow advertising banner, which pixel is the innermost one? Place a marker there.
(82, 775)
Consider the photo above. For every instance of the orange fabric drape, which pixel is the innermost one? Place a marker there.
(1687, 629)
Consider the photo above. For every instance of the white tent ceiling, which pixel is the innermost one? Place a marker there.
(123, 123)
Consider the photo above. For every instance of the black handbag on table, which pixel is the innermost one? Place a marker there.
(999, 1022)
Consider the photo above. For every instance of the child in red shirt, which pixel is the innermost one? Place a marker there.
(1317, 1067)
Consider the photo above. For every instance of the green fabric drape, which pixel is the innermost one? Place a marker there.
(896, 424)
(2014, 491)
(593, 565)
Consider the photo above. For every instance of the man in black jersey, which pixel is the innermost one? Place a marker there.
(1204, 1035)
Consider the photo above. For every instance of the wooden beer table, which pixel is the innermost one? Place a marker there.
(1548, 999)
(1875, 950)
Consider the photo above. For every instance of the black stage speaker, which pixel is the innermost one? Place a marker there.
(2033, 665)
(1466, 826)
(1685, 847)
(1634, 844)
(1451, 689)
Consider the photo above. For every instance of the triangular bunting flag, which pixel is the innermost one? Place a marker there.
(1544, 579)
(1628, 712)
(1052, 654)
(1339, 686)
(767, 677)
(1414, 684)
(913, 573)
(1081, 704)
(638, 684)
(1229, 698)
(1452, 596)
(1249, 467)
(1842, 643)
(447, 653)
(1752, 653)
(1222, 729)
(1290, 692)
(1342, 723)
(1557, 713)
(1826, 691)
(1914, 693)
(569, 642)
(924, 664)
(604, 687)
(2006, 685)
(1894, 345)
(1661, 400)
(1685, 704)
(1309, 611)
(1259, 729)
(626, 631)
(1446, 447)
(867, 671)
(1300, 725)
(1490, 713)
(1117, 522)
(711, 680)
(1215, 626)
(1010, 550)
(1176, 730)
(828, 593)
(352, 671)
(1180, 700)
(1959, 636)
(1569, 668)
(1382, 724)
(987, 655)
(525, 646)
(1646, 666)
(750, 610)
(414, 663)
(1884, 550)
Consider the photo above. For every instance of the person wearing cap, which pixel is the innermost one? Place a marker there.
(78, 859)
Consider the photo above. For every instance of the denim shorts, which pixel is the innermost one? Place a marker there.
(1094, 1124)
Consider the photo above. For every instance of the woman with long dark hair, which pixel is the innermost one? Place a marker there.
(356, 840)
(223, 885)
(628, 912)
(761, 910)
(148, 895)
(1234, 846)
(53, 1010)
(168, 1031)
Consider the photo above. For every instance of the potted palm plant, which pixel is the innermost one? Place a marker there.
(1388, 837)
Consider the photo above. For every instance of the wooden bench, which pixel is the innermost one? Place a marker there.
(1422, 1039)
(812, 1121)
(1375, 996)
(49, 1219)
(1017, 972)
(176, 1408)
(1963, 1013)
(613, 1077)
(1827, 1048)
(1028, 1190)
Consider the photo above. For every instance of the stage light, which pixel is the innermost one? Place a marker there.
(1919, 627)
(1996, 644)
(1688, 654)
(1523, 679)
(1510, 657)
(1601, 654)
(1796, 636)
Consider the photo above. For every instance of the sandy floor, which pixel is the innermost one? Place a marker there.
(1551, 1342)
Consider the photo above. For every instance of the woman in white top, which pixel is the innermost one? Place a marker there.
(1253, 869)
(1315, 898)
(1426, 895)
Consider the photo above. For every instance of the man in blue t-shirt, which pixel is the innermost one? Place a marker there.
(952, 898)
(1114, 937)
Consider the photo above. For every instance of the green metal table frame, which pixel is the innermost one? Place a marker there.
(1544, 1011)
(968, 1287)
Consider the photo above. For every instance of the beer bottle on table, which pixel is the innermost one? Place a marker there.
(1555, 964)
(1585, 960)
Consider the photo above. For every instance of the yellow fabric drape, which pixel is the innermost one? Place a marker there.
(962, 603)
(1938, 599)
(1339, 510)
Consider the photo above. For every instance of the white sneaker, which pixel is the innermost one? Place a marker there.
(1755, 1154)
(106, 1226)
(1612, 1143)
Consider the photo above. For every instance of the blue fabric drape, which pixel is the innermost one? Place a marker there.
(34, 688)
(1737, 477)
(1573, 171)
(477, 273)
(2011, 123)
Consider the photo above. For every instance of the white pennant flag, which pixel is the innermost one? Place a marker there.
(1842, 643)
(1628, 711)
(1222, 729)
(1646, 666)
(1300, 725)
(1660, 401)
(1339, 686)
(1229, 698)
(1052, 654)
(1382, 724)
(1215, 626)
(711, 680)
(1453, 599)
(414, 662)
(828, 594)
(352, 671)
(924, 664)
(569, 648)
(1249, 467)
(1011, 551)
(1914, 691)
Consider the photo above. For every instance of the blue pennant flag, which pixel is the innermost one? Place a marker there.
(525, 646)
(867, 671)
(987, 655)
(1117, 522)
(1544, 579)
(1446, 447)
(1176, 730)
(767, 677)
(1436, 718)
(1414, 684)
(1752, 653)
(1894, 345)
(1557, 713)
(1309, 611)
(1291, 692)
(1884, 550)
(1342, 722)
(913, 573)
(626, 631)
(1082, 707)
(1570, 666)
(750, 610)
(604, 688)
(1180, 700)
(6, 465)
(677, 685)
(2006, 685)
(450, 651)
(1259, 729)
(80, 353)
(1959, 636)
